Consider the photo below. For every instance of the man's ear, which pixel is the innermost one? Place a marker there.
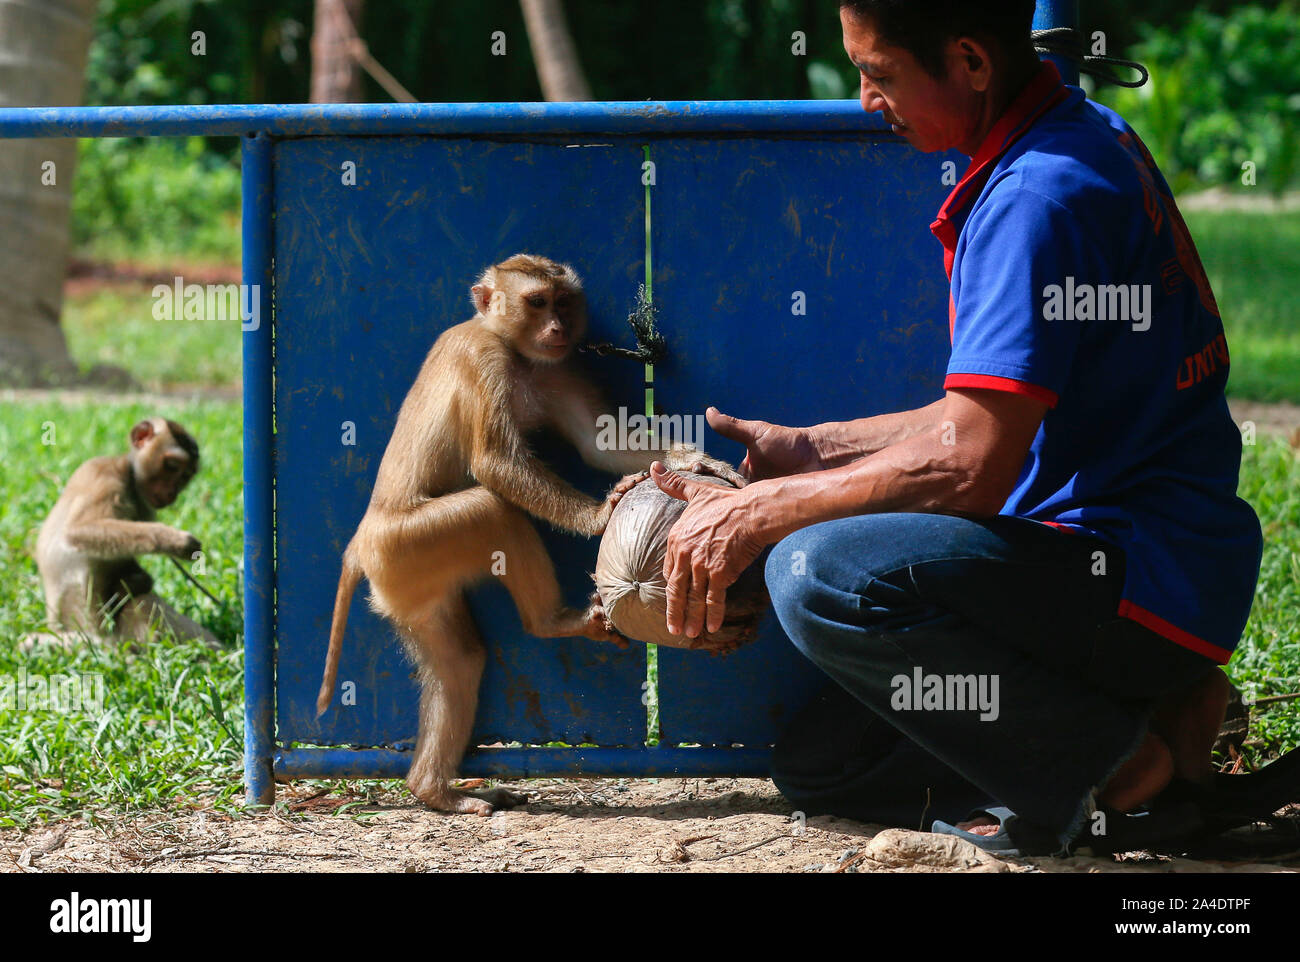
(141, 433)
(481, 295)
(976, 62)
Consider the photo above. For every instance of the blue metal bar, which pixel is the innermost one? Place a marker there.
(1059, 13)
(530, 762)
(302, 120)
(259, 494)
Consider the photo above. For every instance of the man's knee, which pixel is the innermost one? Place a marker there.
(837, 575)
(785, 572)
(802, 591)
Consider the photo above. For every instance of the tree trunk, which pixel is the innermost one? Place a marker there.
(43, 48)
(335, 74)
(558, 68)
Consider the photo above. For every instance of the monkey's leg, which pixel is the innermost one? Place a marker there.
(529, 576)
(138, 617)
(453, 540)
(450, 654)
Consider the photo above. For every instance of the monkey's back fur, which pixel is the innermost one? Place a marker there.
(630, 580)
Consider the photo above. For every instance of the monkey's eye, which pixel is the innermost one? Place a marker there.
(537, 300)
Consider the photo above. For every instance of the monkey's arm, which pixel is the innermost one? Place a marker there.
(519, 477)
(841, 442)
(111, 539)
(501, 461)
(576, 415)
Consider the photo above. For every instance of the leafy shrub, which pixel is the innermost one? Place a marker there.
(144, 198)
(1224, 91)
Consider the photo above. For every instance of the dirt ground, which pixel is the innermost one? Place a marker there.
(582, 825)
(1279, 418)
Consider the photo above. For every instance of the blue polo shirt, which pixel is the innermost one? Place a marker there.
(1074, 281)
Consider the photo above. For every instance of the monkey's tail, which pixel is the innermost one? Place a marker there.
(348, 580)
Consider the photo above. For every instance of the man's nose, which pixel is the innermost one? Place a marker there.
(871, 99)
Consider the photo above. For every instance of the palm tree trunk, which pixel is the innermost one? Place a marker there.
(43, 48)
(335, 75)
(558, 68)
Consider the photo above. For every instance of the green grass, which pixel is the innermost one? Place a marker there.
(1268, 660)
(160, 740)
(116, 326)
(1253, 260)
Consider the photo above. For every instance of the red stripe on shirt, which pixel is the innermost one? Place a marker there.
(994, 383)
(1155, 623)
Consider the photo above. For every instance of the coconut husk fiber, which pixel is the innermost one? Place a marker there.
(630, 579)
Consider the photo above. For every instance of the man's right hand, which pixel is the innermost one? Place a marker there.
(772, 450)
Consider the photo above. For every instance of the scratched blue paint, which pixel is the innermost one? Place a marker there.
(259, 568)
(636, 118)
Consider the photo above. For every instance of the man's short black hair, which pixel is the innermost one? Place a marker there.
(923, 27)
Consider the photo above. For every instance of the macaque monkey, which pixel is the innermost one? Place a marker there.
(87, 547)
(455, 489)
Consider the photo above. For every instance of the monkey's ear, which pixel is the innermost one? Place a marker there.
(141, 433)
(481, 295)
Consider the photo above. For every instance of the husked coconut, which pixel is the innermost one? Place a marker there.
(630, 577)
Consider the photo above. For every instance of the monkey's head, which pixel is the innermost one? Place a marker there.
(535, 304)
(164, 457)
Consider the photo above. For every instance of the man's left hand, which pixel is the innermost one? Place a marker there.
(709, 547)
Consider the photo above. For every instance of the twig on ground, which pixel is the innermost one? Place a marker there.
(747, 848)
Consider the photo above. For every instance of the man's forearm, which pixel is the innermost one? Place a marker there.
(841, 442)
(917, 474)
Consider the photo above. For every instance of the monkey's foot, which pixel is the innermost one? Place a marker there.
(597, 626)
(446, 799)
(482, 804)
(60, 639)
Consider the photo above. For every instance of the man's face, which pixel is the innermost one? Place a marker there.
(930, 114)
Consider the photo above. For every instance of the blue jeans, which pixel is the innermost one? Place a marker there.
(975, 662)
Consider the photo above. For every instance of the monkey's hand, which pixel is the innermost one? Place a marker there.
(687, 459)
(622, 487)
(626, 484)
(179, 544)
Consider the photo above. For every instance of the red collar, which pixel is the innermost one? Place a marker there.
(1040, 95)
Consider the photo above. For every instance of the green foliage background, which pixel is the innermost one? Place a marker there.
(1225, 84)
(1224, 91)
